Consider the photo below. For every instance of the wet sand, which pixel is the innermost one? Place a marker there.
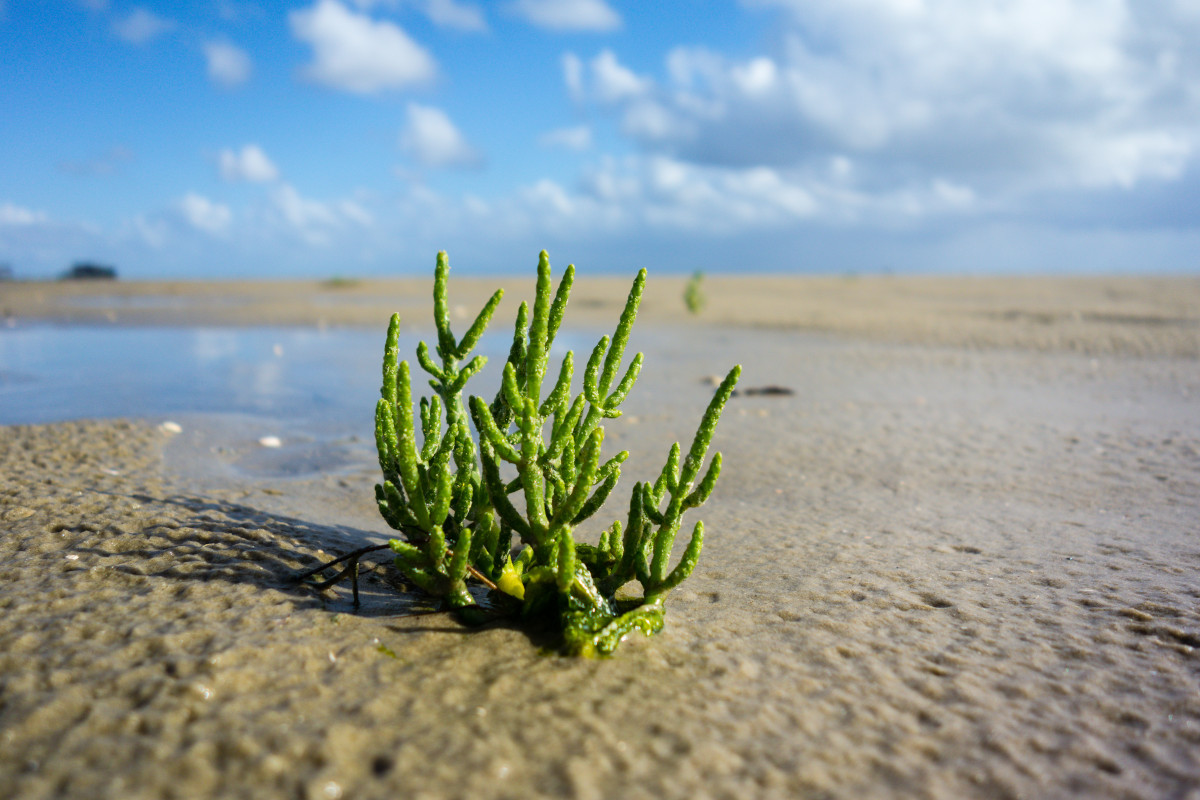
(961, 560)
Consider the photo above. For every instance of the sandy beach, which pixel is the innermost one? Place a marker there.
(1131, 315)
(960, 559)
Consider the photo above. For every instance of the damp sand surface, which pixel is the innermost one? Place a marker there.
(934, 570)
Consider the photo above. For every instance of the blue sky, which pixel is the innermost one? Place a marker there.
(219, 138)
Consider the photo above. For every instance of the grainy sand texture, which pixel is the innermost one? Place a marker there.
(962, 559)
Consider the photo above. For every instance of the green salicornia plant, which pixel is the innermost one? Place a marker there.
(693, 293)
(533, 469)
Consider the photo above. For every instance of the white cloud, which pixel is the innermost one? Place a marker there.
(205, 215)
(952, 194)
(228, 64)
(250, 164)
(649, 120)
(701, 208)
(577, 138)
(661, 198)
(109, 163)
(141, 26)
(569, 15)
(443, 13)
(11, 214)
(655, 198)
(1125, 159)
(355, 213)
(573, 75)
(232, 11)
(756, 77)
(1001, 99)
(546, 195)
(678, 195)
(315, 222)
(300, 211)
(609, 82)
(459, 16)
(358, 54)
(612, 81)
(151, 232)
(658, 196)
(432, 139)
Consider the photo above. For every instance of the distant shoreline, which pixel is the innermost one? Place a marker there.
(1128, 315)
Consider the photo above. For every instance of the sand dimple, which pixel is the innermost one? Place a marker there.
(927, 573)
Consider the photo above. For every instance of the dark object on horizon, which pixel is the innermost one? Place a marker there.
(6, 272)
(85, 271)
(764, 391)
(752, 391)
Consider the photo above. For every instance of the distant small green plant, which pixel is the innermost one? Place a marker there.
(340, 282)
(458, 500)
(693, 293)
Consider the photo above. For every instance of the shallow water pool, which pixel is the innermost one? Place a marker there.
(327, 377)
(51, 373)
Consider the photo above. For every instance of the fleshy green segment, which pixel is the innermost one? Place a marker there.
(457, 514)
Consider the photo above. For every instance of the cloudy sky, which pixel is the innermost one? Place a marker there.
(355, 137)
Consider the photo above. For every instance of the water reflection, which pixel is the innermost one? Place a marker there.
(149, 301)
(50, 373)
